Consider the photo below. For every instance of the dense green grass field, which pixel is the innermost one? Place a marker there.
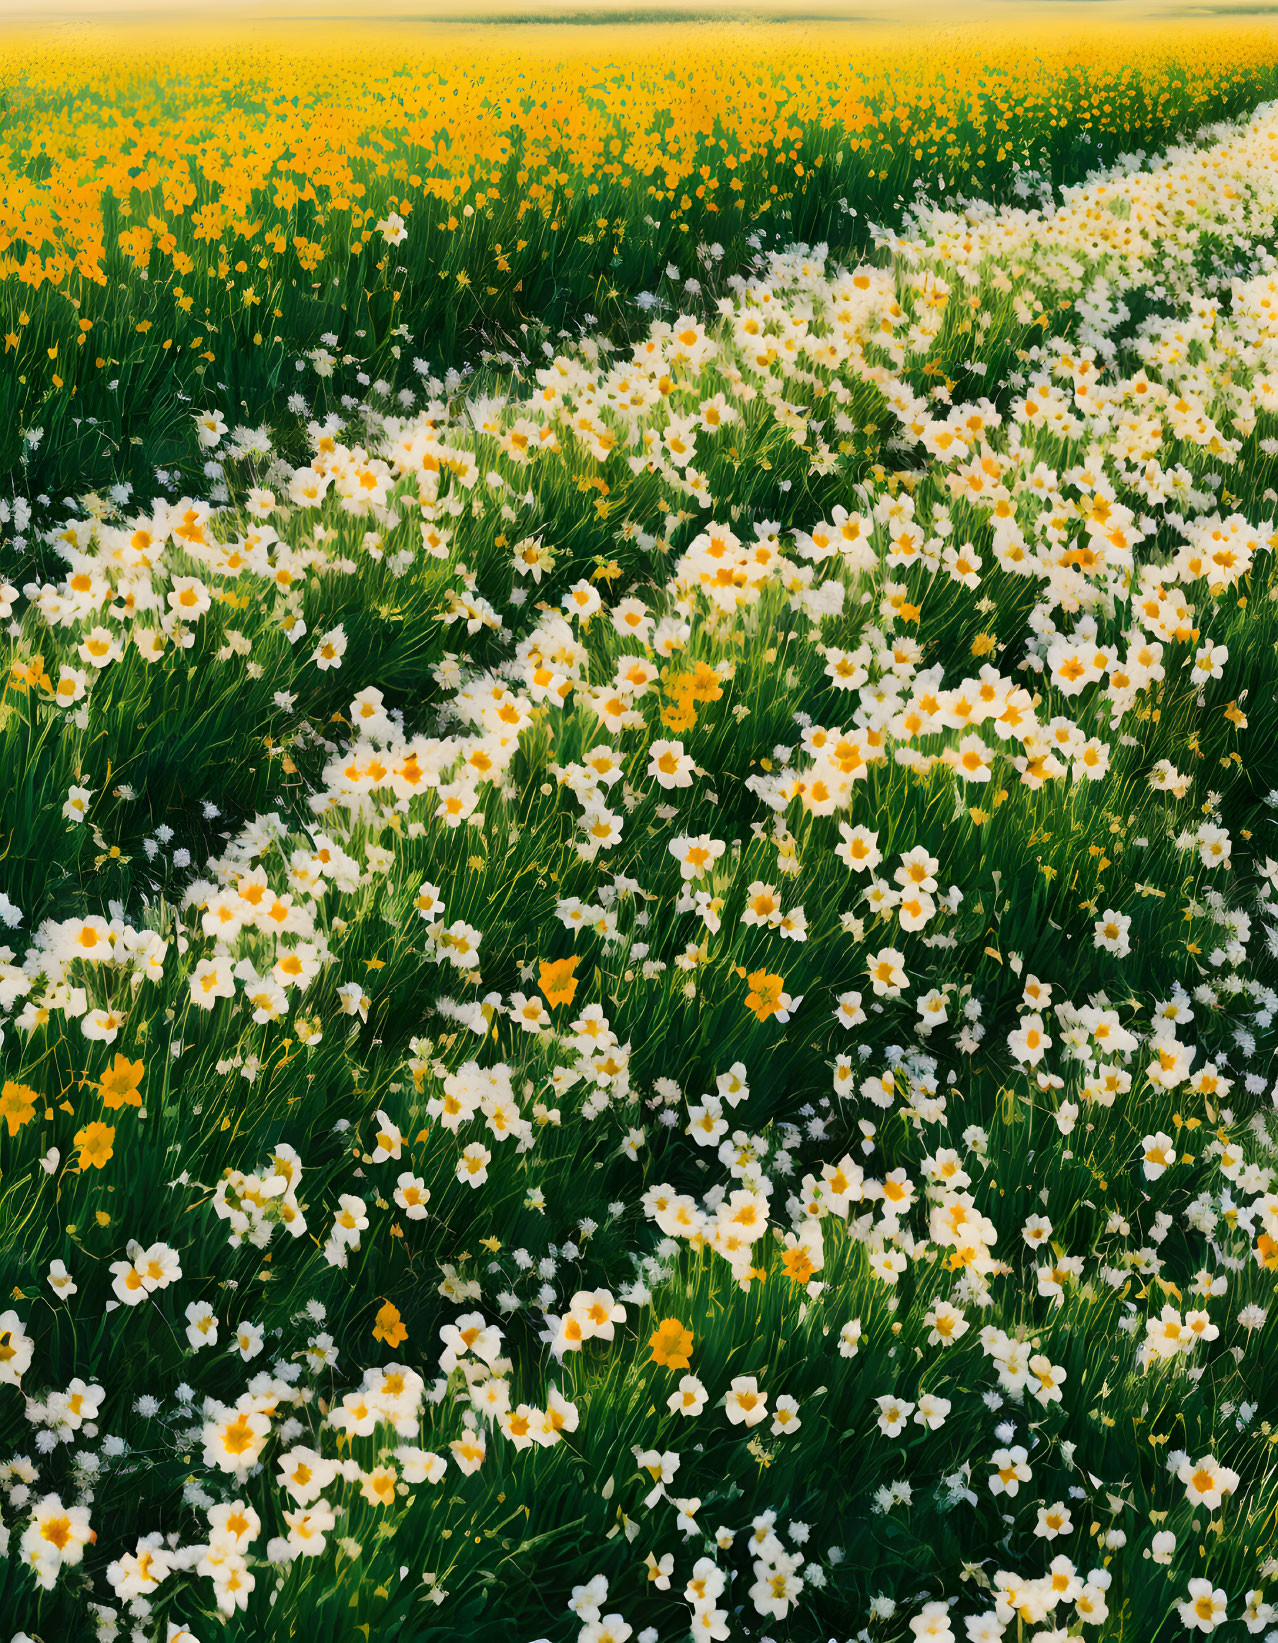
(636, 983)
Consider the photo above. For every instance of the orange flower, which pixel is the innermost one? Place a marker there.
(764, 997)
(671, 1343)
(389, 1326)
(119, 1084)
(797, 1264)
(557, 980)
(703, 683)
(96, 1143)
(679, 715)
(17, 1105)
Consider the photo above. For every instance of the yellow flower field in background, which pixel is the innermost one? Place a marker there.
(185, 151)
(175, 210)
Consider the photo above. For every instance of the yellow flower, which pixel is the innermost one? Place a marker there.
(96, 1143)
(797, 1264)
(378, 1486)
(119, 1084)
(679, 715)
(17, 1104)
(389, 1326)
(671, 1344)
(557, 980)
(764, 997)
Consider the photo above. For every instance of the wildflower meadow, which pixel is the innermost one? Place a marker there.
(638, 874)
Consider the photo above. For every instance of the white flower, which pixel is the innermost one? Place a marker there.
(932, 1623)
(744, 1404)
(1207, 1482)
(60, 1280)
(859, 848)
(412, 1195)
(669, 764)
(894, 1412)
(330, 649)
(932, 1411)
(1029, 1043)
(587, 1601)
(16, 1349)
(850, 1338)
(201, 1325)
(1158, 1154)
(77, 805)
(1010, 1470)
(1205, 1607)
(248, 1340)
(886, 972)
(689, 1398)
(209, 428)
(472, 1168)
(1112, 933)
(1053, 1521)
(1209, 663)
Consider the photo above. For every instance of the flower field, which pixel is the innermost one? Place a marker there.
(639, 920)
(182, 220)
